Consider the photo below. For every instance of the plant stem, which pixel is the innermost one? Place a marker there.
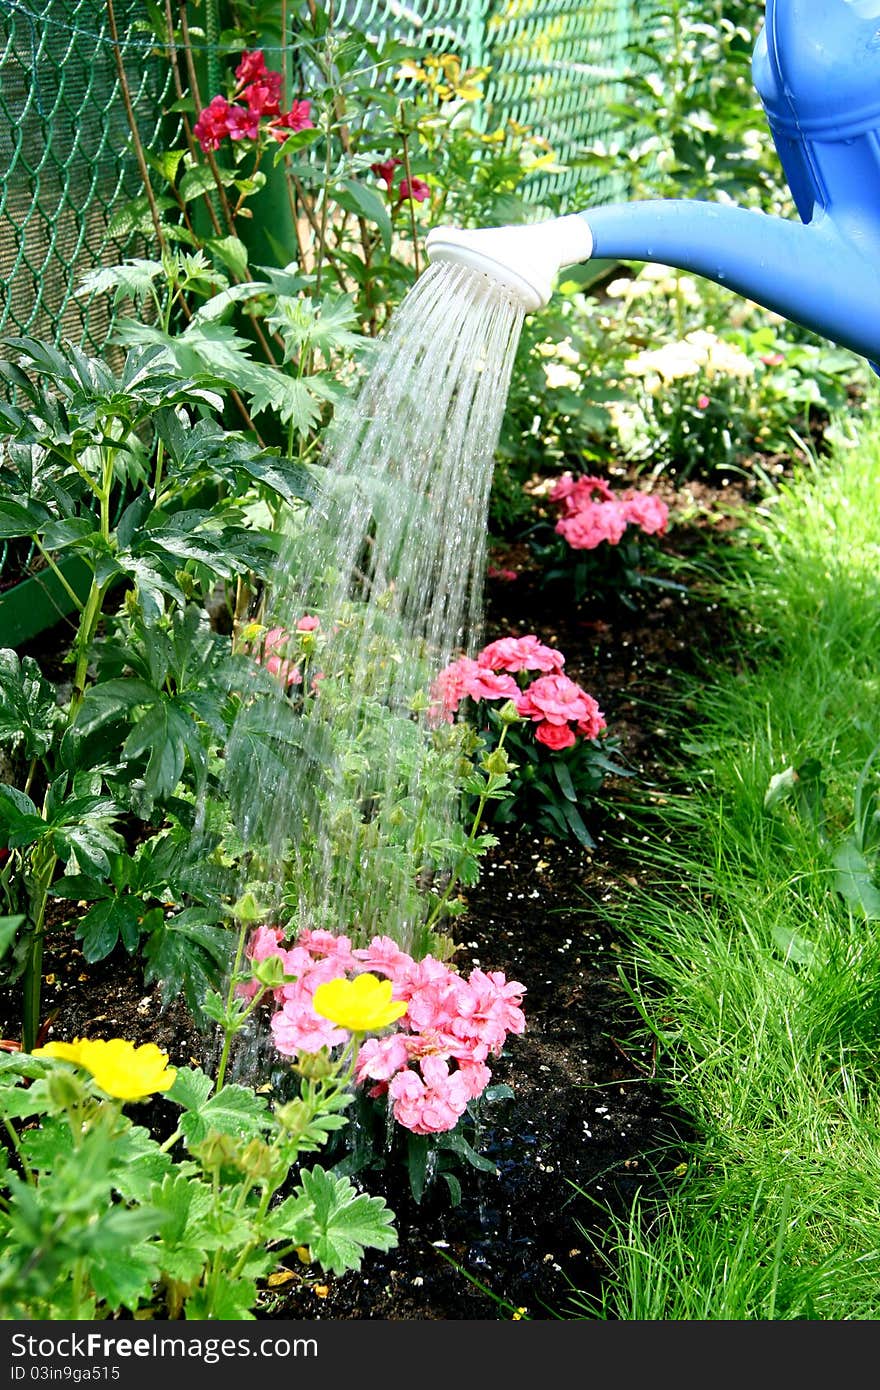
(229, 1033)
(453, 877)
(412, 202)
(133, 127)
(32, 983)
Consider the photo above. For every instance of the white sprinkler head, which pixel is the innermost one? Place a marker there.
(524, 259)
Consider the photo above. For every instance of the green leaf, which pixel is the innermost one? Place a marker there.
(8, 929)
(20, 823)
(232, 253)
(794, 946)
(122, 1266)
(563, 777)
(109, 921)
(456, 1142)
(363, 201)
(853, 880)
(230, 1301)
(191, 1088)
(18, 520)
(348, 1222)
(28, 709)
(188, 955)
(234, 1110)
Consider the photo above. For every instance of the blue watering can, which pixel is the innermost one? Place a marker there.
(816, 67)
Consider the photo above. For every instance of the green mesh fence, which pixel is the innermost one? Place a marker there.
(65, 154)
(68, 161)
(555, 67)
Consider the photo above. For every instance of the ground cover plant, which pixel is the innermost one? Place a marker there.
(626, 1023)
(758, 934)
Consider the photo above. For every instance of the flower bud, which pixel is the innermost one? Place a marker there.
(256, 1159)
(315, 1066)
(509, 714)
(496, 762)
(66, 1089)
(217, 1151)
(294, 1117)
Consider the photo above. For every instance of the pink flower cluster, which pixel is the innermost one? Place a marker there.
(260, 91)
(592, 514)
(558, 707)
(413, 188)
(434, 1061)
(273, 652)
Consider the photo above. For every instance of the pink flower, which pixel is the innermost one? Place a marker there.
(649, 513)
(271, 655)
(488, 685)
(308, 624)
(416, 189)
(264, 942)
(703, 402)
(212, 124)
(383, 956)
(574, 492)
(297, 1028)
(592, 725)
(520, 654)
(588, 527)
(555, 736)
(380, 1058)
(328, 946)
(773, 359)
(557, 700)
(507, 575)
(432, 1102)
(385, 171)
(450, 685)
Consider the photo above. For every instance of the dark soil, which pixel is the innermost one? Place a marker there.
(588, 1122)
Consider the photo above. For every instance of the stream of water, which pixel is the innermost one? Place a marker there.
(346, 780)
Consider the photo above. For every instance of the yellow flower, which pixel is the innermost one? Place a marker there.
(120, 1068)
(362, 1005)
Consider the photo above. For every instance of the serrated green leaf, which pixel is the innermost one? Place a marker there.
(234, 1110)
(191, 1088)
(228, 1301)
(348, 1222)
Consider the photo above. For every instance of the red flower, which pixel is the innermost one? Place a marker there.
(555, 736)
(252, 66)
(264, 97)
(212, 124)
(416, 189)
(385, 171)
(297, 118)
(4, 855)
(242, 124)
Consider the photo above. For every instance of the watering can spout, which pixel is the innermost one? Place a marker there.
(816, 67)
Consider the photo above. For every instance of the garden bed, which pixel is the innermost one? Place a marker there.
(587, 1122)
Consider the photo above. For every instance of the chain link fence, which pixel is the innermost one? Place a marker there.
(76, 74)
(66, 156)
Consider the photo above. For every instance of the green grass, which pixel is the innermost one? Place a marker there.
(756, 980)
